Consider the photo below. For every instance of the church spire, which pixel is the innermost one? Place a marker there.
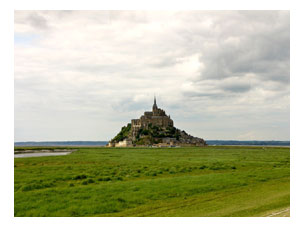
(154, 105)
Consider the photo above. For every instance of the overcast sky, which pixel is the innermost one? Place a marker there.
(82, 75)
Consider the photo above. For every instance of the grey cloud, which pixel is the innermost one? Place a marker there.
(101, 68)
(238, 88)
(129, 105)
(168, 60)
(261, 51)
(197, 94)
(37, 21)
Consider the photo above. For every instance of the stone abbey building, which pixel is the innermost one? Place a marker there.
(157, 117)
(153, 129)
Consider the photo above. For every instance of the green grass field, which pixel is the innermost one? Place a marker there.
(198, 181)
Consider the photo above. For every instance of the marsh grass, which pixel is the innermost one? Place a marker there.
(237, 181)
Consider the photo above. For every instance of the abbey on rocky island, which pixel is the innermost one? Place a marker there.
(153, 129)
(157, 117)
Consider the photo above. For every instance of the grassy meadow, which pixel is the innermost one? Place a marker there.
(197, 181)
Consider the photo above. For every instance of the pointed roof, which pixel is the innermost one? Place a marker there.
(154, 105)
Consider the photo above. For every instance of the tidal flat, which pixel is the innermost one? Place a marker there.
(191, 181)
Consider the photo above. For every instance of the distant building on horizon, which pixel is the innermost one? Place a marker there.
(154, 128)
(157, 117)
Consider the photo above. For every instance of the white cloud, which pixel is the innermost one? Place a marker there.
(92, 71)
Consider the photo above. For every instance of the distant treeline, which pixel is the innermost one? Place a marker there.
(253, 143)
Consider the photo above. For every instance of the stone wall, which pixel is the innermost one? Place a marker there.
(124, 143)
(157, 117)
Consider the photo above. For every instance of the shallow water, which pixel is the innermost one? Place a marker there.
(25, 155)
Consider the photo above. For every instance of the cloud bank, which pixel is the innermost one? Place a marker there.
(81, 75)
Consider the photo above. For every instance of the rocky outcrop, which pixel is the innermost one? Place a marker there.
(154, 128)
(189, 139)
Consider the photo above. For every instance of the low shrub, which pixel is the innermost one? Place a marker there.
(36, 186)
(172, 170)
(189, 169)
(91, 181)
(121, 200)
(183, 170)
(79, 177)
(135, 189)
(218, 166)
(154, 174)
(104, 179)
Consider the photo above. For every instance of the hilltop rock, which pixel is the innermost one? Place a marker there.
(154, 128)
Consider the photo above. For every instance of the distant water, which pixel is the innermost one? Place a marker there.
(103, 143)
(26, 155)
(247, 143)
(63, 143)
